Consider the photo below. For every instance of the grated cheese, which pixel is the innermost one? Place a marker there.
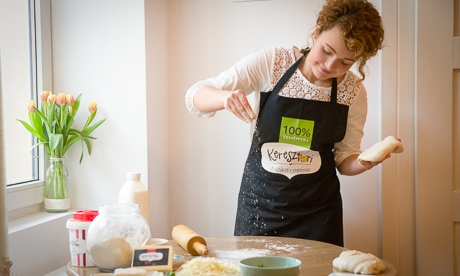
(209, 267)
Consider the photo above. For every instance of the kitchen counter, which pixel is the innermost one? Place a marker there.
(316, 256)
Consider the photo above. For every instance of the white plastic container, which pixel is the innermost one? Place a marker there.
(134, 191)
(78, 227)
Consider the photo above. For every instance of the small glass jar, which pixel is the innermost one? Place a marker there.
(113, 235)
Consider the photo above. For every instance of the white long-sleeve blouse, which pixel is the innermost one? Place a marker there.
(259, 72)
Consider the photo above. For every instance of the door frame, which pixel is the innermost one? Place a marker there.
(417, 232)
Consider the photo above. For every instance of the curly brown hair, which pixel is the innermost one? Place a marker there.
(361, 26)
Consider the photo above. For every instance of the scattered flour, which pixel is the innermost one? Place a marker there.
(267, 248)
(237, 255)
(273, 246)
(285, 247)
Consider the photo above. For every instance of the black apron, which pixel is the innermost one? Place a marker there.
(290, 187)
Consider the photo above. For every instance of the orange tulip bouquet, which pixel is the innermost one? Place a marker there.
(52, 126)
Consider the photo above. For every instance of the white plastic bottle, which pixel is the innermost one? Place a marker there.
(134, 191)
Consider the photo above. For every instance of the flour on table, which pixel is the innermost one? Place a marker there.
(285, 247)
(279, 247)
(237, 255)
(269, 249)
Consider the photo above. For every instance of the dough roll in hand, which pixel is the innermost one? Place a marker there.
(358, 262)
(379, 151)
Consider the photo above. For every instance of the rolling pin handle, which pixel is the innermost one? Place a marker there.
(200, 248)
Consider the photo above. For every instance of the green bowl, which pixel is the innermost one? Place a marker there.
(270, 266)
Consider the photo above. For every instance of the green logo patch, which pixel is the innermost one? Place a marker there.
(296, 132)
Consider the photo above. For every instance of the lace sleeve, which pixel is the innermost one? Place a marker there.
(351, 143)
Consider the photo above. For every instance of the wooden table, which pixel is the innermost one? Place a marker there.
(316, 256)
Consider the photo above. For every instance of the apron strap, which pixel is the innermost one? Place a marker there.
(334, 91)
(287, 75)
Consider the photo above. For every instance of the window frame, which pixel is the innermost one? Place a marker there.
(27, 198)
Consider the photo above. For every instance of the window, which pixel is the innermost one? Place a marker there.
(22, 76)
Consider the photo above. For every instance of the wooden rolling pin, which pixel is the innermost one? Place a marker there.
(189, 240)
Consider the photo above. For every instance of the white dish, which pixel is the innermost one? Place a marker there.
(157, 241)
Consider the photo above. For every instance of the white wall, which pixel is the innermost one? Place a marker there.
(138, 70)
(98, 50)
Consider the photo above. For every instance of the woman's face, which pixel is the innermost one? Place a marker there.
(329, 57)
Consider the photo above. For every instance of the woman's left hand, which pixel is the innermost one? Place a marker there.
(369, 165)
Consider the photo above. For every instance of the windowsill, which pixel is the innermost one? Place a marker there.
(33, 220)
(39, 242)
(24, 199)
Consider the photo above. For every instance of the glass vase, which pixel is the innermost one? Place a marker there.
(56, 195)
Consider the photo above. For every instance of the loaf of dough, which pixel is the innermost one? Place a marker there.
(379, 151)
(358, 262)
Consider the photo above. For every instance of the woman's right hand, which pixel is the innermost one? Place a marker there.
(237, 103)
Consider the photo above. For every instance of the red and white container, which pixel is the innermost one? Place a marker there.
(78, 228)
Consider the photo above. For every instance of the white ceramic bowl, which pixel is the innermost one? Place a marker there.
(270, 266)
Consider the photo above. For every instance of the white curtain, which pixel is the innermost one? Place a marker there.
(5, 263)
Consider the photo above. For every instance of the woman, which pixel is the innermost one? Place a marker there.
(309, 123)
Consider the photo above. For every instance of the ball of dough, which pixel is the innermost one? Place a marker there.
(358, 262)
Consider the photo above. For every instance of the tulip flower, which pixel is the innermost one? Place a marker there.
(51, 98)
(31, 106)
(92, 107)
(70, 99)
(61, 99)
(44, 96)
